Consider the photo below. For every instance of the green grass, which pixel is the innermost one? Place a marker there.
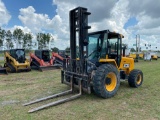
(1, 62)
(142, 103)
(1, 54)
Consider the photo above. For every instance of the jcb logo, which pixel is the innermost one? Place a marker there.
(126, 65)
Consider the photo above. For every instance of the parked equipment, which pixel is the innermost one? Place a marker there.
(41, 61)
(58, 58)
(141, 55)
(154, 56)
(147, 56)
(62, 53)
(150, 55)
(3, 71)
(99, 64)
(15, 61)
(135, 56)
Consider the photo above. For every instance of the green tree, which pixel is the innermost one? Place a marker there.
(67, 49)
(27, 41)
(133, 50)
(55, 49)
(47, 38)
(18, 36)
(9, 39)
(11, 45)
(40, 40)
(43, 39)
(1, 41)
(2, 36)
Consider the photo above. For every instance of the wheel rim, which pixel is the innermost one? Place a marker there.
(111, 81)
(139, 79)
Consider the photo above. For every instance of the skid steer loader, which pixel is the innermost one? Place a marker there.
(3, 71)
(59, 57)
(41, 61)
(15, 61)
(100, 64)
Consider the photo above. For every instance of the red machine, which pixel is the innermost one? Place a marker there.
(41, 60)
(57, 59)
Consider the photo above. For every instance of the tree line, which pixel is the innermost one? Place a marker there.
(19, 39)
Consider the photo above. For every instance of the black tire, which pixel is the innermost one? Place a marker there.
(135, 78)
(106, 81)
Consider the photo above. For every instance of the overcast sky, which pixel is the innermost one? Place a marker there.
(127, 17)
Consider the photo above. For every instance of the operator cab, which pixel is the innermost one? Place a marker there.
(104, 44)
(18, 54)
(43, 54)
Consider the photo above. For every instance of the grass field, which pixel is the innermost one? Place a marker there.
(1, 54)
(128, 104)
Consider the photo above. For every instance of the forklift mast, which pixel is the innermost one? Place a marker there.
(79, 36)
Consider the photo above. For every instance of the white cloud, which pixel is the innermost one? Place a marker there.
(148, 7)
(104, 14)
(148, 17)
(24, 29)
(41, 22)
(4, 14)
(110, 14)
(36, 22)
(118, 17)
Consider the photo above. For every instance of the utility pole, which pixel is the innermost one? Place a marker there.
(137, 46)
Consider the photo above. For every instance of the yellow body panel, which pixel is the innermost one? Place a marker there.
(126, 64)
(18, 66)
(132, 55)
(154, 57)
(141, 55)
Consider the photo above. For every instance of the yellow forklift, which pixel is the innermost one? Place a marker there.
(99, 64)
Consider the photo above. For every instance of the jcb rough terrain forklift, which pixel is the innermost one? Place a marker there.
(100, 63)
(41, 61)
(15, 61)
